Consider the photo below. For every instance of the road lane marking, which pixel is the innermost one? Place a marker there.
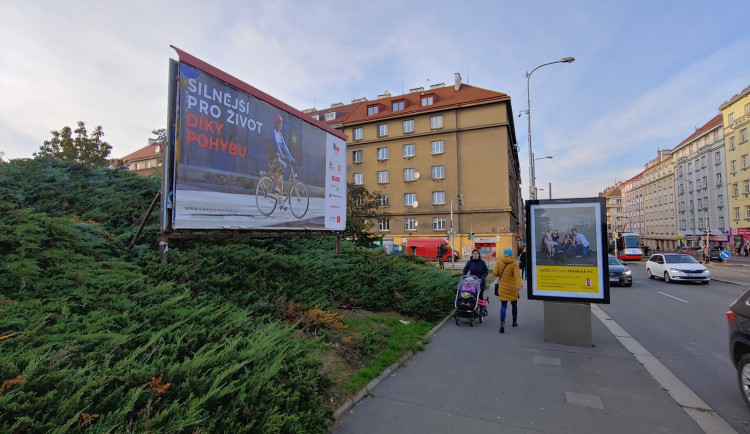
(692, 404)
(676, 298)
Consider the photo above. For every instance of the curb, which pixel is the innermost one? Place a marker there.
(367, 390)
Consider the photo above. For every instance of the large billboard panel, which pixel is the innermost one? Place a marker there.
(244, 160)
(567, 248)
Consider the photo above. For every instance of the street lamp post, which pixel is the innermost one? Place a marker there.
(532, 177)
(548, 157)
(452, 234)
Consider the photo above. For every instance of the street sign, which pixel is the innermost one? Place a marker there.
(725, 255)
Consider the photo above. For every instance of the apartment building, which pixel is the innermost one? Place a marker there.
(659, 229)
(736, 123)
(613, 204)
(700, 182)
(146, 160)
(420, 150)
(632, 204)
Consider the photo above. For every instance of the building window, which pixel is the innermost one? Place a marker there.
(718, 179)
(717, 158)
(690, 168)
(148, 164)
(358, 179)
(382, 177)
(720, 200)
(436, 122)
(437, 147)
(315, 116)
(703, 161)
(409, 198)
(745, 161)
(383, 200)
(356, 156)
(734, 167)
(357, 133)
(737, 213)
(700, 203)
(743, 135)
(408, 126)
(438, 172)
(409, 151)
(438, 223)
(398, 105)
(747, 109)
(372, 110)
(438, 198)
(382, 130)
(735, 189)
(721, 223)
(410, 224)
(731, 143)
(382, 154)
(747, 211)
(137, 166)
(384, 224)
(410, 174)
(330, 116)
(746, 183)
(705, 182)
(427, 100)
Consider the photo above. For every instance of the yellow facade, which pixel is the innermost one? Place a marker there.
(477, 157)
(736, 114)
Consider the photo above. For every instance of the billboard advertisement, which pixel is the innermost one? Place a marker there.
(243, 160)
(567, 248)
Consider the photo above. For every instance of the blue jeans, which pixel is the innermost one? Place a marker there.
(583, 250)
(504, 308)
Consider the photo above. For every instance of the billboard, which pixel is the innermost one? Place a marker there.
(567, 248)
(241, 159)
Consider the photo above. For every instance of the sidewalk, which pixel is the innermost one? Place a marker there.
(473, 379)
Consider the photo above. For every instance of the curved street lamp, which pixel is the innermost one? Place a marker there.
(532, 174)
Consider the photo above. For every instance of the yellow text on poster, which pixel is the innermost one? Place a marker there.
(568, 279)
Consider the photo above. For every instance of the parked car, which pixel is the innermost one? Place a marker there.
(689, 250)
(738, 317)
(673, 267)
(714, 255)
(619, 273)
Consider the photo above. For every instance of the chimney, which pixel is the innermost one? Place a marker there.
(386, 94)
(416, 89)
(458, 81)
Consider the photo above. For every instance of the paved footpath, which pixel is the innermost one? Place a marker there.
(473, 379)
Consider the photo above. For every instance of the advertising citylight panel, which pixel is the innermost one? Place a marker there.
(244, 160)
(567, 248)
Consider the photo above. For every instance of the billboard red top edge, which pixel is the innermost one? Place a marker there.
(221, 75)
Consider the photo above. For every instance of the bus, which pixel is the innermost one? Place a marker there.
(628, 246)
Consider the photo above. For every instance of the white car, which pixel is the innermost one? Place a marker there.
(673, 267)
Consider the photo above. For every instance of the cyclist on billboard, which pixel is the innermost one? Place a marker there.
(277, 166)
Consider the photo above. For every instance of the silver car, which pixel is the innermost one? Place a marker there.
(673, 267)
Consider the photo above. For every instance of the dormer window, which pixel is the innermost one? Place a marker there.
(373, 109)
(330, 116)
(315, 116)
(156, 148)
(398, 105)
(428, 100)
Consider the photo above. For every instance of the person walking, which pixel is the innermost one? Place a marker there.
(509, 284)
(440, 254)
(522, 263)
(477, 267)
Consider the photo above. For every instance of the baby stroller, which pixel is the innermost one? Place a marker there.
(467, 302)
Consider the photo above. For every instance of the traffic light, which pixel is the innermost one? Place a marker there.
(472, 235)
(460, 198)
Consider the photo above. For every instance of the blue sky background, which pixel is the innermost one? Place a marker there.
(647, 73)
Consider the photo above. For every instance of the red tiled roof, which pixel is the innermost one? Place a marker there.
(716, 121)
(445, 97)
(145, 153)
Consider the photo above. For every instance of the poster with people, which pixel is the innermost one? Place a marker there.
(567, 251)
(244, 160)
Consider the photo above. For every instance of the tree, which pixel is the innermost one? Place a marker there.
(363, 212)
(161, 135)
(76, 145)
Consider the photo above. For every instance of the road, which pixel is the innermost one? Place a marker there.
(685, 327)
